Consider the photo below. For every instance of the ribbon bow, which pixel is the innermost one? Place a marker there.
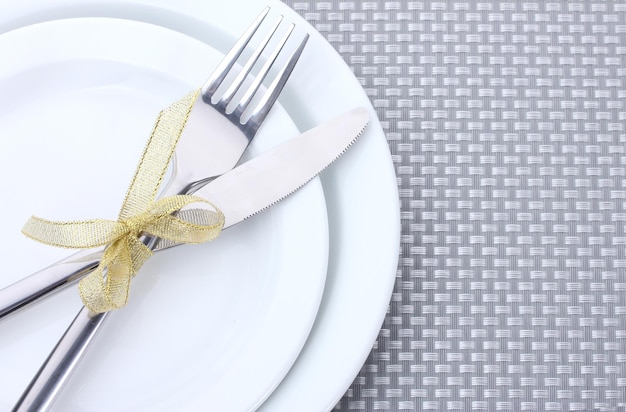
(107, 287)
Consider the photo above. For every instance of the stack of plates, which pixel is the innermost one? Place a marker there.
(282, 310)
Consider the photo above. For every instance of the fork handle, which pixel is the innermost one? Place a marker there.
(58, 367)
(46, 281)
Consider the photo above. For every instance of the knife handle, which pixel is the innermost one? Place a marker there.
(58, 367)
(46, 281)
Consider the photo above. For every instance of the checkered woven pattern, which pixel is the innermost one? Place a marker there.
(506, 122)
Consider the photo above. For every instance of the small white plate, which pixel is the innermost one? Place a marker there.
(219, 323)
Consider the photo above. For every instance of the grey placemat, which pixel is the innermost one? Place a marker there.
(506, 121)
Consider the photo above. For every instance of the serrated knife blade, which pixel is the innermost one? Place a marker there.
(277, 173)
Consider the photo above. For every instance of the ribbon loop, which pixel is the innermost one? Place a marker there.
(107, 288)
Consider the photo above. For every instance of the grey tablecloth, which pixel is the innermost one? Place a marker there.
(506, 122)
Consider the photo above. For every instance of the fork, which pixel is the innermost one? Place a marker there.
(198, 157)
(198, 160)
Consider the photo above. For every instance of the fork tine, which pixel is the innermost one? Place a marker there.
(237, 83)
(222, 69)
(258, 80)
(274, 90)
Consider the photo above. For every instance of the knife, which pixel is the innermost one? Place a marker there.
(60, 275)
(240, 193)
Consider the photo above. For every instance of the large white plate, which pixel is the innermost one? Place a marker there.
(78, 100)
(360, 189)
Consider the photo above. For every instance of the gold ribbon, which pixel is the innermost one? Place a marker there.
(107, 288)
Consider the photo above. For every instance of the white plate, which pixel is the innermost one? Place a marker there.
(360, 188)
(205, 324)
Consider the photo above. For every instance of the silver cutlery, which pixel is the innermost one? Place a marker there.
(239, 194)
(200, 155)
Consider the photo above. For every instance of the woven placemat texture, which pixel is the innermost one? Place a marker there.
(506, 122)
